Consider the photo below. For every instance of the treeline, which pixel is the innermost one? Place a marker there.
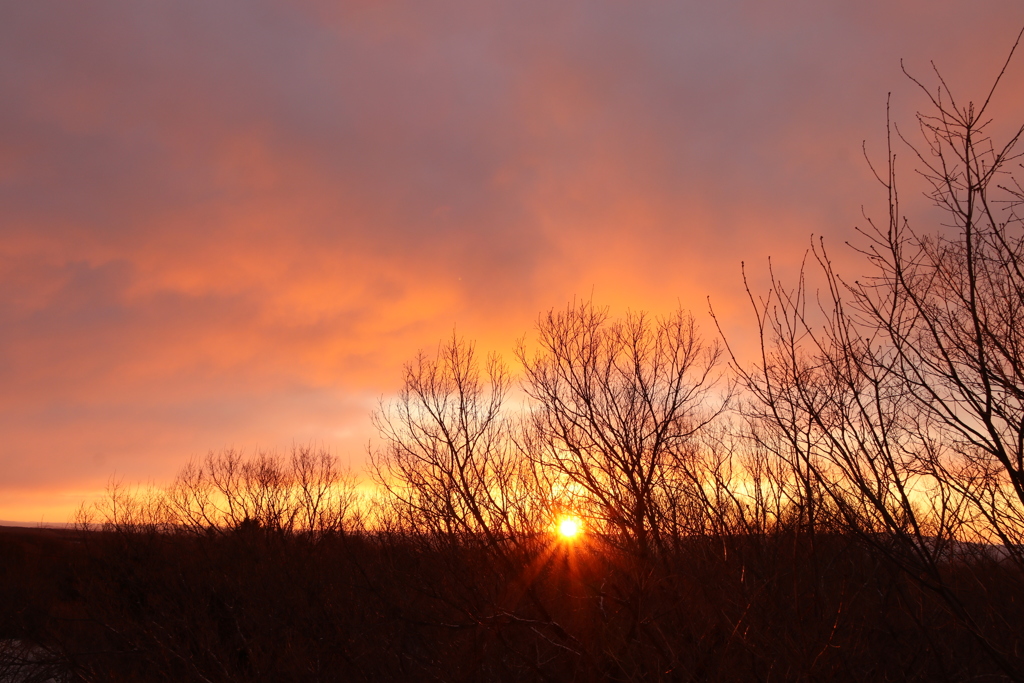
(850, 506)
(257, 604)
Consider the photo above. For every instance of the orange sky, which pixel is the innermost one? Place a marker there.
(229, 224)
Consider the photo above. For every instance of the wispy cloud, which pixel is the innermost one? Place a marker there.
(230, 223)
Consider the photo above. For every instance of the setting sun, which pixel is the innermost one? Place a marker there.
(570, 527)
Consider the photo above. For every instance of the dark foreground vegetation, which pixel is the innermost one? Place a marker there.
(848, 507)
(258, 605)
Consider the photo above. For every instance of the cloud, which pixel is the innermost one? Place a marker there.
(230, 223)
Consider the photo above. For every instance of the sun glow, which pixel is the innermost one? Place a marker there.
(569, 527)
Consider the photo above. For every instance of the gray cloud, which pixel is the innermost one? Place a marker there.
(266, 207)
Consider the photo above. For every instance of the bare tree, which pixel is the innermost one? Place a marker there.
(617, 408)
(898, 399)
(448, 460)
(458, 488)
(305, 493)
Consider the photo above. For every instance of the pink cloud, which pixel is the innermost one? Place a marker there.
(231, 224)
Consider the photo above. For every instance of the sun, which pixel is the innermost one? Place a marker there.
(569, 527)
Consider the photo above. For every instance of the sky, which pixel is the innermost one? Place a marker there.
(228, 224)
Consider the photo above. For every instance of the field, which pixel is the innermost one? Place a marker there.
(257, 605)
